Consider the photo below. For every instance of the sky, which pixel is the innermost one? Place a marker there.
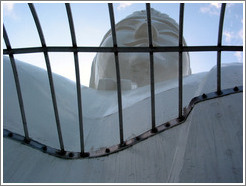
(91, 20)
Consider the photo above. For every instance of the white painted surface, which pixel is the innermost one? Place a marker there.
(135, 69)
(208, 147)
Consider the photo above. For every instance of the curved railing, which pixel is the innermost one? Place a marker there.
(128, 143)
(115, 49)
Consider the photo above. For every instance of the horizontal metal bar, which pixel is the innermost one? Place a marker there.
(123, 49)
(130, 142)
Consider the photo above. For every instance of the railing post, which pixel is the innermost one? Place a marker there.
(117, 66)
(52, 89)
(17, 85)
(220, 33)
(152, 77)
(76, 64)
(181, 18)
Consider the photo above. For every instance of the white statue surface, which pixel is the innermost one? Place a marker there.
(134, 67)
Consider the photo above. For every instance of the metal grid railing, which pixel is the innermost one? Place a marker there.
(116, 50)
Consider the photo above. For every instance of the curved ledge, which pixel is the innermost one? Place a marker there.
(128, 143)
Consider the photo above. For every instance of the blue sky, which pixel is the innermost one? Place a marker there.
(91, 21)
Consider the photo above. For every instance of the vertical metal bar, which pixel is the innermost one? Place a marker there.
(111, 14)
(52, 89)
(17, 84)
(76, 63)
(152, 78)
(222, 13)
(181, 17)
(149, 24)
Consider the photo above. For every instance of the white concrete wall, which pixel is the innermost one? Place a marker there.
(208, 147)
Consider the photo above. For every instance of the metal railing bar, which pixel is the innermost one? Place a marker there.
(71, 25)
(148, 13)
(117, 66)
(123, 49)
(221, 23)
(17, 84)
(222, 15)
(181, 18)
(6, 38)
(76, 63)
(152, 78)
(38, 25)
(105, 151)
(52, 89)
(112, 22)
